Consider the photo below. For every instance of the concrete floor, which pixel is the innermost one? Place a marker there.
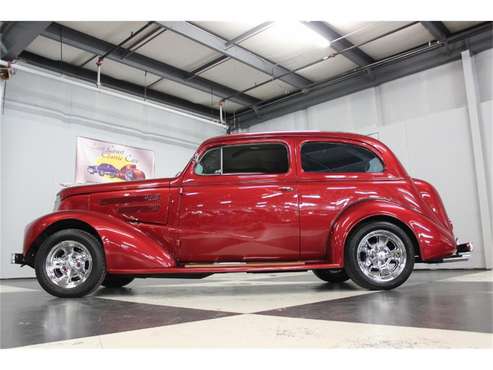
(434, 309)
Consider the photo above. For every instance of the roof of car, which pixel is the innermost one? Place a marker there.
(284, 134)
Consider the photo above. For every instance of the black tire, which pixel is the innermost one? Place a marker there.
(115, 281)
(355, 272)
(94, 278)
(331, 276)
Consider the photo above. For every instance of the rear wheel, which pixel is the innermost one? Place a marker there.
(115, 281)
(331, 276)
(379, 255)
(70, 263)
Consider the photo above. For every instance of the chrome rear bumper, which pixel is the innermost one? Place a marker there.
(463, 254)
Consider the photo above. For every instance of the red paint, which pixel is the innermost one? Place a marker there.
(291, 221)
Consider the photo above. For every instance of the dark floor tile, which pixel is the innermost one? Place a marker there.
(32, 283)
(417, 277)
(32, 317)
(441, 305)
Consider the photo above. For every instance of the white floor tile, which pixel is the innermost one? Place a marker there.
(269, 331)
(240, 296)
(483, 276)
(13, 289)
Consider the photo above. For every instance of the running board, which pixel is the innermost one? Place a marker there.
(238, 264)
(213, 268)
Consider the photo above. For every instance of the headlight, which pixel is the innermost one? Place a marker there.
(57, 202)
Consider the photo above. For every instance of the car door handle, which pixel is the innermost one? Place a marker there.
(286, 188)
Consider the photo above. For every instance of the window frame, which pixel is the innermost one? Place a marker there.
(361, 145)
(286, 147)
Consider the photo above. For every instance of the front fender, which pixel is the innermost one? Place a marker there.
(434, 240)
(125, 246)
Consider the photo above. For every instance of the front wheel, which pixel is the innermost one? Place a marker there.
(379, 255)
(70, 264)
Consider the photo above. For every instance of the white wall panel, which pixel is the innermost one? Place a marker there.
(423, 93)
(41, 122)
(440, 151)
(394, 136)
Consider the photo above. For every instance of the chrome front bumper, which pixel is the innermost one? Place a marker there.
(17, 259)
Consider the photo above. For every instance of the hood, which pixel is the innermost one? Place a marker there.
(114, 186)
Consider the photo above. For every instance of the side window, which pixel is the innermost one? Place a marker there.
(210, 163)
(261, 158)
(338, 157)
(251, 158)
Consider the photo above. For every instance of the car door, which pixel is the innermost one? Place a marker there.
(238, 202)
(332, 174)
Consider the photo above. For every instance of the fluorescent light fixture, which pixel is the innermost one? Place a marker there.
(297, 31)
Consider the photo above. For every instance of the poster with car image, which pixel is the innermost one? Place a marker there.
(101, 161)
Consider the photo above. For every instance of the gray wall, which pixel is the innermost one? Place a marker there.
(424, 119)
(42, 118)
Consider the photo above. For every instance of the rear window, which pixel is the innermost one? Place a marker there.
(338, 157)
(251, 158)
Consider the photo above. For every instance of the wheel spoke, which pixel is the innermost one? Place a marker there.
(384, 271)
(382, 240)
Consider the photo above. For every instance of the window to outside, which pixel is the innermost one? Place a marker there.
(251, 158)
(338, 157)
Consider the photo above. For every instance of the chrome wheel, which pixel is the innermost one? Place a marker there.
(381, 255)
(68, 264)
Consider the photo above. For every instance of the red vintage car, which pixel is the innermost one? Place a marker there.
(339, 204)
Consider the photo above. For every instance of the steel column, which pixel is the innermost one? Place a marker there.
(472, 96)
(2, 92)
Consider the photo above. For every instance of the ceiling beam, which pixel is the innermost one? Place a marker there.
(244, 36)
(355, 55)
(475, 39)
(233, 51)
(79, 40)
(206, 66)
(120, 85)
(16, 36)
(437, 29)
(249, 33)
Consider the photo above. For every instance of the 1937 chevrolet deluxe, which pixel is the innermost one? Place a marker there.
(339, 204)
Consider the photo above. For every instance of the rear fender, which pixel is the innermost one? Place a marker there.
(125, 246)
(434, 241)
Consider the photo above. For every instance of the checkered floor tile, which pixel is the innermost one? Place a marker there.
(434, 309)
